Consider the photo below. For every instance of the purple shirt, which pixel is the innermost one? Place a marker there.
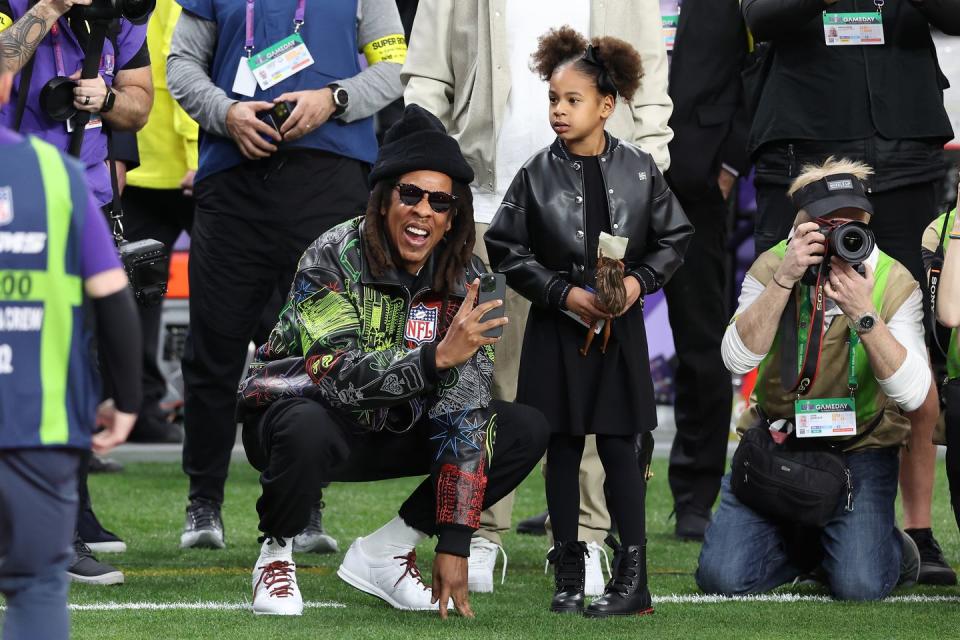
(37, 123)
(97, 252)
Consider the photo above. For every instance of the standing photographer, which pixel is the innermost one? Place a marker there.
(264, 191)
(54, 35)
(865, 350)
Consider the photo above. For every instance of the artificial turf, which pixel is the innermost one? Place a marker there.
(145, 506)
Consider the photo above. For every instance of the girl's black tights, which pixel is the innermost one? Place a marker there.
(625, 488)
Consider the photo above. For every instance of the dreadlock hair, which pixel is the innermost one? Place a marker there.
(455, 250)
(560, 47)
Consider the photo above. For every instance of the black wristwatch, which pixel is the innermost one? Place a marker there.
(865, 322)
(340, 99)
(108, 101)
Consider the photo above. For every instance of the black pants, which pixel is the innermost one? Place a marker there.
(898, 220)
(698, 310)
(157, 214)
(299, 444)
(624, 486)
(252, 224)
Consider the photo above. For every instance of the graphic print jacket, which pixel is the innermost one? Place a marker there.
(365, 347)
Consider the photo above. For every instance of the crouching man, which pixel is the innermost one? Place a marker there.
(379, 368)
(839, 351)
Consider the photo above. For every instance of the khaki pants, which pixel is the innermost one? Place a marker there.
(594, 518)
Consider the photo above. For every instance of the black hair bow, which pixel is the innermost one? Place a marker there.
(604, 82)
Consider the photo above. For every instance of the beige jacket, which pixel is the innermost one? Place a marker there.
(457, 68)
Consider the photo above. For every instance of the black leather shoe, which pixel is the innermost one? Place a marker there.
(534, 526)
(691, 523)
(626, 593)
(569, 574)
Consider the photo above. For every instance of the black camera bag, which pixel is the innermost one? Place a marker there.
(795, 482)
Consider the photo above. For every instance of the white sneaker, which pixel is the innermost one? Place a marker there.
(594, 583)
(483, 560)
(395, 579)
(275, 590)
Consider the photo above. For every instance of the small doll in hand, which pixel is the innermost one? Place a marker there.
(611, 295)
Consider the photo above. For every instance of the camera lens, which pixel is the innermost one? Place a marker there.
(853, 242)
(135, 10)
(487, 283)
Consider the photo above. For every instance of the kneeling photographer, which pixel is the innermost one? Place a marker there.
(835, 326)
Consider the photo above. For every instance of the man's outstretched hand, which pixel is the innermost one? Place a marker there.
(450, 581)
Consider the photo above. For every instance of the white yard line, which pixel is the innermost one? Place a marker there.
(779, 598)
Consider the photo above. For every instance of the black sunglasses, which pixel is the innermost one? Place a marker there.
(440, 201)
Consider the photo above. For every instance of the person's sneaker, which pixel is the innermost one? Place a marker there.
(203, 528)
(313, 539)
(595, 583)
(395, 579)
(934, 568)
(482, 562)
(95, 536)
(534, 526)
(909, 561)
(86, 569)
(100, 464)
(275, 590)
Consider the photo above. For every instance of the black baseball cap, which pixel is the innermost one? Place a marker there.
(837, 191)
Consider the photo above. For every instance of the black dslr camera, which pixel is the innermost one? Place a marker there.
(145, 262)
(849, 240)
(136, 11)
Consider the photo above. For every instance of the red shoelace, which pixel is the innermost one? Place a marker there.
(412, 570)
(278, 578)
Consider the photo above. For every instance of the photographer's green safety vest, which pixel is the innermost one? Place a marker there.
(869, 399)
(953, 350)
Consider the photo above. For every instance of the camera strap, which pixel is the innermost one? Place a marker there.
(936, 269)
(23, 89)
(810, 341)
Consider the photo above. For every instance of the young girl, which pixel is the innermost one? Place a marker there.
(545, 239)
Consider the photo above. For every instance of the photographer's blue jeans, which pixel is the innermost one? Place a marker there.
(745, 553)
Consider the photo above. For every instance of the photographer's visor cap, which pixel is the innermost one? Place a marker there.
(838, 191)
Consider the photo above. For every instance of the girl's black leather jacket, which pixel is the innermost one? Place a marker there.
(537, 237)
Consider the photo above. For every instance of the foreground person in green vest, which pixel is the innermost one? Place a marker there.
(941, 233)
(872, 361)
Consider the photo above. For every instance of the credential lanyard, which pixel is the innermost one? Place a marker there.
(57, 49)
(806, 310)
(297, 23)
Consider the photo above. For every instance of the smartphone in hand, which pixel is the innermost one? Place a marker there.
(493, 286)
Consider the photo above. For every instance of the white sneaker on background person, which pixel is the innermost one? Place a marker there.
(482, 562)
(275, 590)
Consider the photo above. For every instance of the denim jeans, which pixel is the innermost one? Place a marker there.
(744, 552)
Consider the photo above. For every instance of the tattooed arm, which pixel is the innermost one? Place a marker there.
(19, 42)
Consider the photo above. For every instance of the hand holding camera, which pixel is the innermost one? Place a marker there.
(252, 134)
(803, 251)
(850, 290)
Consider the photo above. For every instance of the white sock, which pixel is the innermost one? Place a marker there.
(271, 549)
(393, 537)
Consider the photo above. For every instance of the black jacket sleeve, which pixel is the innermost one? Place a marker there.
(508, 246)
(770, 19)
(943, 14)
(669, 235)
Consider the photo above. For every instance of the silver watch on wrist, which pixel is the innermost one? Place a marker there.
(865, 322)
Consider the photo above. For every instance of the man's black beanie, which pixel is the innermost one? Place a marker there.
(416, 142)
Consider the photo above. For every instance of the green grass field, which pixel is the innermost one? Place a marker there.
(145, 505)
